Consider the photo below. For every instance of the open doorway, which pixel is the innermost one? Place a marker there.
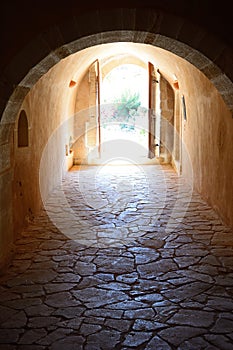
(124, 112)
(126, 103)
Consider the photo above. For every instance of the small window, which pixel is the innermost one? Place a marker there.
(23, 130)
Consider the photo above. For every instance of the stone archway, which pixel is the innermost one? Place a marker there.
(12, 106)
(138, 25)
(127, 25)
(213, 72)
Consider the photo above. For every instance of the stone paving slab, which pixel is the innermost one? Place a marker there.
(122, 258)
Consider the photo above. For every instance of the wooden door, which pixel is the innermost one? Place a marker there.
(151, 112)
(93, 124)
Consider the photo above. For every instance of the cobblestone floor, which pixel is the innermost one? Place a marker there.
(127, 259)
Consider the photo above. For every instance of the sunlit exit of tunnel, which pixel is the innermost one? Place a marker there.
(116, 196)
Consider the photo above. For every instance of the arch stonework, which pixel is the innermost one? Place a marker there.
(223, 84)
(140, 25)
(175, 34)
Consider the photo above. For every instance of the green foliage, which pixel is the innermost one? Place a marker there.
(126, 106)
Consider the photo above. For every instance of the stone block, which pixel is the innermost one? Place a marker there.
(140, 37)
(31, 78)
(3, 103)
(97, 39)
(19, 94)
(228, 98)
(198, 59)
(5, 159)
(172, 45)
(223, 84)
(211, 71)
(224, 61)
(124, 36)
(11, 111)
(151, 38)
(6, 132)
(82, 43)
(39, 70)
(64, 51)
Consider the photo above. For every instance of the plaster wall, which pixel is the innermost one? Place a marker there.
(207, 133)
(39, 167)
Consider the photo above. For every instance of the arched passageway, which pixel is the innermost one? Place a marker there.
(61, 104)
(50, 87)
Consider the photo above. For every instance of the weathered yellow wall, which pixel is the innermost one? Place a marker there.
(208, 136)
(48, 106)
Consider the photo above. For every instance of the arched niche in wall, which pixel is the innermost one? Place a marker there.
(23, 138)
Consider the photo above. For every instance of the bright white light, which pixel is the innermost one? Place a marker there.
(125, 77)
(119, 162)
